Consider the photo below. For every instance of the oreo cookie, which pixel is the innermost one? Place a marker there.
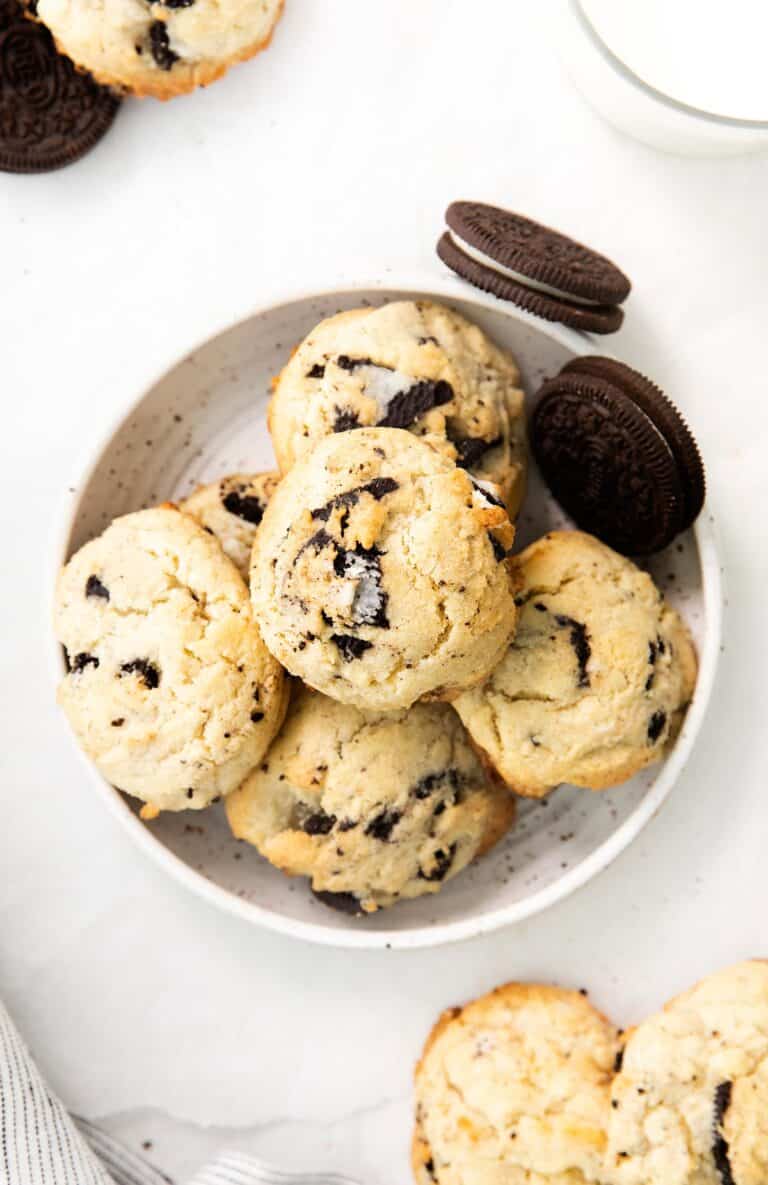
(665, 416)
(617, 455)
(51, 114)
(533, 266)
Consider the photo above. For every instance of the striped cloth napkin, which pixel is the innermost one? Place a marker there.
(41, 1144)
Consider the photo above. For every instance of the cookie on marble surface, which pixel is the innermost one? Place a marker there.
(690, 1104)
(596, 680)
(379, 572)
(373, 807)
(146, 47)
(409, 364)
(170, 688)
(514, 1089)
(232, 508)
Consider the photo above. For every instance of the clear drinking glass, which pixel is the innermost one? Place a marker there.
(685, 76)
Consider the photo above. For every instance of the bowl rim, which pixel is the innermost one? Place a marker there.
(444, 287)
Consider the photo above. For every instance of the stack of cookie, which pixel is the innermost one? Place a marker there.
(434, 674)
(532, 1085)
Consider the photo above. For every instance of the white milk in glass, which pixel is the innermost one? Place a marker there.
(683, 75)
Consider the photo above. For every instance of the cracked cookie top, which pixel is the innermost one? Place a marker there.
(148, 47)
(413, 365)
(232, 509)
(170, 688)
(514, 1087)
(596, 681)
(379, 571)
(372, 807)
(690, 1104)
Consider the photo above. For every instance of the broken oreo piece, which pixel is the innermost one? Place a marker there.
(350, 647)
(51, 114)
(533, 266)
(443, 860)
(342, 902)
(245, 506)
(720, 1147)
(472, 449)
(81, 661)
(146, 670)
(579, 639)
(382, 826)
(407, 406)
(318, 823)
(378, 488)
(345, 419)
(94, 588)
(612, 466)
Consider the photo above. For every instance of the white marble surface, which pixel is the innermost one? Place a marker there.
(331, 159)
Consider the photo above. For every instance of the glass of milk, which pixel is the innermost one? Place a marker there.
(685, 76)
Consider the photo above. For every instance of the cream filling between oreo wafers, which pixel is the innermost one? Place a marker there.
(493, 264)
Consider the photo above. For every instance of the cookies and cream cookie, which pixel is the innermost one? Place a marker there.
(514, 1089)
(596, 680)
(379, 571)
(372, 807)
(170, 689)
(414, 365)
(147, 47)
(232, 509)
(690, 1103)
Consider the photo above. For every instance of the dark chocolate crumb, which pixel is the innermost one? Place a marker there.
(245, 506)
(656, 726)
(579, 639)
(443, 862)
(429, 1165)
(346, 363)
(318, 541)
(345, 419)
(347, 824)
(83, 660)
(146, 670)
(95, 588)
(119, 722)
(723, 1095)
(318, 823)
(343, 902)
(350, 647)
(317, 371)
(541, 607)
(618, 1062)
(257, 716)
(653, 651)
(161, 46)
(190, 793)
(430, 782)
(378, 488)
(499, 550)
(382, 826)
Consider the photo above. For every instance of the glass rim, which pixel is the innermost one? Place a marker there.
(653, 92)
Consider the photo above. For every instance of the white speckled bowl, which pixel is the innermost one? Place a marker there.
(205, 417)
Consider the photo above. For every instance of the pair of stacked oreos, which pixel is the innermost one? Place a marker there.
(616, 453)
